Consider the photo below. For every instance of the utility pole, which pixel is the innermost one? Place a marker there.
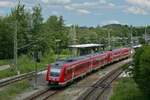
(132, 51)
(73, 36)
(145, 37)
(109, 41)
(16, 49)
(57, 47)
(131, 37)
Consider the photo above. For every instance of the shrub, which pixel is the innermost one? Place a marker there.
(126, 89)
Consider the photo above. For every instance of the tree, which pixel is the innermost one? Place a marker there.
(54, 29)
(6, 39)
(20, 16)
(37, 20)
(36, 28)
(141, 71)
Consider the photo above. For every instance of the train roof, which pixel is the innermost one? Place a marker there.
(117, 49)
(59, 63)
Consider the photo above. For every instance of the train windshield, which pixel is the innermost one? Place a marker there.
(55, 72)
(55, 69)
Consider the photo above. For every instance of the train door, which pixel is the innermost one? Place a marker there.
(68, 74)
(91, 64)
(73, 73)
(110, 57)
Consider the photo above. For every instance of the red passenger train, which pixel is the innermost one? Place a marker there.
(65, 71)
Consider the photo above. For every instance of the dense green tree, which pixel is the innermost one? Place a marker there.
(20, 17)
(36, 29)
(37, 20)
(126, 89)
(54, 30)
(87, 36)
(141, 71)
(32, 30)
(6, 39)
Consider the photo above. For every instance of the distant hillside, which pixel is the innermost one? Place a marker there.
(119, 29)
(112, 26)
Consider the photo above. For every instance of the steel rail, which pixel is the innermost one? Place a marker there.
(97, 89)
(7, 81)
(41, 95)
(10, 80)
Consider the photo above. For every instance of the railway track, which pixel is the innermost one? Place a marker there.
(101, 85)
(44, 94)
(96, 90)
(8, 81)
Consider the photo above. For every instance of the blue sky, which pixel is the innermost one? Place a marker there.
(89, 12)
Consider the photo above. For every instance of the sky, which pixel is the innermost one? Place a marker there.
(89, 12)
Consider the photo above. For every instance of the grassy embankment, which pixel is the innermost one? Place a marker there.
(4, 62)
(26, 64)
(126, 89)
(10, 92)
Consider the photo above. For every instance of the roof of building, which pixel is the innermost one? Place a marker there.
(85, 45)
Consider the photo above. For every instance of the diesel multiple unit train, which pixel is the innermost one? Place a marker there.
(65, 71)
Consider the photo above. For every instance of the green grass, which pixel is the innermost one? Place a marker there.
(7, 73)
(126, 89)
(9, 93)
(4, 62)
(27, 64)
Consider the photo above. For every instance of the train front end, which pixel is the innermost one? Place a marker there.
(55, 74)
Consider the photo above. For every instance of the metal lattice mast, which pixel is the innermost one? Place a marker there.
(145, 37)
(16, 48)
(109, 40)
(73, 38)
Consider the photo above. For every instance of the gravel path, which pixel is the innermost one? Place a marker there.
(4, 67)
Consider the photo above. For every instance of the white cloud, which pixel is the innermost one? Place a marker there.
(87, 7)
(142, 3)
(4, 4)
(111, 22)
(140, 7)
(55, 13)
(137, 10)
(45, 1)
(84, 5)
(78, 10)
(103, 1)
(80, 7)
(83, 11)
(68, 7)
(111, 4)
(92, 5)
(56, 2)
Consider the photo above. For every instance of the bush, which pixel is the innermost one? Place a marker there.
(126, 89)
(25, 64)
(48, 57)
(65, 52)
(7, 73)
(141, 70)
(10, 92)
